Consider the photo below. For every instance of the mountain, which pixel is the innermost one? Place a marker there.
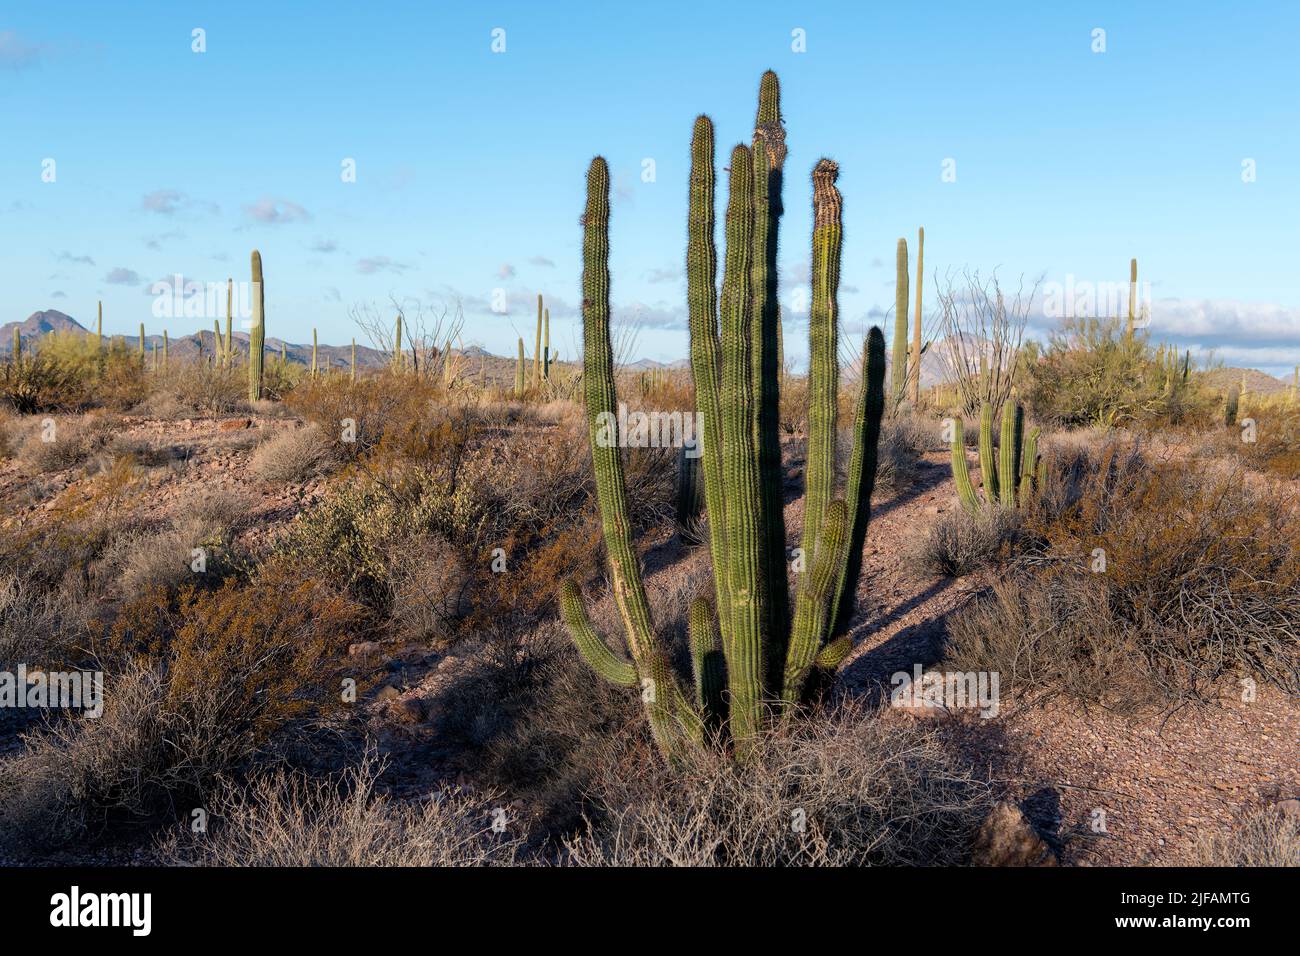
(38, 324)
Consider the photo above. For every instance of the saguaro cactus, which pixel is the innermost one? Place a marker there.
(140, 344)
(164, 358)
(397, 345)
(1019, 471)
(315, 365)
(353, 364)
(257, 334)
(898, 367)
(537, 345)
(731, 654)
(546, 346)
(17, 352)
(1131, 327)
(230, 322)
(519, 370)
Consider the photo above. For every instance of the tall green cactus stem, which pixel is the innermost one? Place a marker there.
(988, 471)
(352, 366)
(397, 345)
(537, 345)
(218, 346)
(257, 334)
(1131, 327)
(315, 365)
(916, 324)
(165, 344)
(519, 370)
(140, 345)
(705, 349)
(230, 321)
(768, 152)
(960, 472)
(861, 484)
(898, 367)
(1009, 452)
(1029, 465)
(708, 665)
(813, 604)
(1230, 406)
(17, 353)
(673, 720)
(546, 346)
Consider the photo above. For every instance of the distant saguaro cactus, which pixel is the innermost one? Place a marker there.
(315, 365)
(230, 322)
(898, 367)
(99, 327)
(519, 370)
(141, 345)
(1230, 406)
(546, 346)
(257, 334)
(353, 364)
(397, 345)
(537, 345)
(917, 347)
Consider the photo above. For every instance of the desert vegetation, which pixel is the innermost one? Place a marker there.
(416, 605)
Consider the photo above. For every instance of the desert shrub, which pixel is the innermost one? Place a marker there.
(1201, 582)
(38, 384)
(293, 455)
(71, 372)
(866, 791)
(1269, 837)
(1274, 445)
(1094, 373)
(430, 585)
(959, 543)
(379, 404)
(57, 445)
(185, 389)
(195, 685)
(902, 440)
(39, 626)
(289, 819)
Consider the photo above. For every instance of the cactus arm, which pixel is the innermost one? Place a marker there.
(1029, 465)
(740, 472)
(813, 607)
(960, 473)
(768, 155)
(666, 708)
(590, 645)
(898, 382)
(707, 663)
(1008, 456)
(988, 471)
(823, 372)
(862, 475)
(833, 654)
(702, 302)
(257, 335)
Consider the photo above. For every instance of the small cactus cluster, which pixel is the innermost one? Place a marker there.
(1014, 475)
(751, 655)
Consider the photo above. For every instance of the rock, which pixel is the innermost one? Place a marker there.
(410, 710)
(363, 649)
(235, 424)
(1290, 808)
(1007, 838)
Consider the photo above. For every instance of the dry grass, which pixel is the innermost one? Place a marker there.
(58, 444)
(958, 543)
(289, 819)
(294, 455)
(1269, 837)
(840, 789)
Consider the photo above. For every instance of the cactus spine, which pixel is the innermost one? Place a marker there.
(898, 369)
(1019, 470)
(724, 349)
(257, 334)
(916, 324)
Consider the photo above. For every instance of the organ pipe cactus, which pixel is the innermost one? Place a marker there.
(1019, 470)
(257, 334)
(742, 670)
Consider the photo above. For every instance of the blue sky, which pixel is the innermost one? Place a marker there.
(470, 164)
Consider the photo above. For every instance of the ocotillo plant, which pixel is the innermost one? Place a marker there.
(917, 348)
(733, 670)
(537, 345)
(257, 334)
(1019, 471)
(898, 366)
(519, 370)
